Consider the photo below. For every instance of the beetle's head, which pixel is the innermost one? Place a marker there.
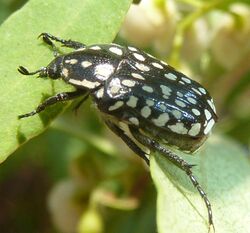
(53, 70)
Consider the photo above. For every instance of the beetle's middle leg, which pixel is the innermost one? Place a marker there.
(130, 143)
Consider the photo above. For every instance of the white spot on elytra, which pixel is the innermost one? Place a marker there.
(195, 129)
(151, 56)
(170, 76)
(95, 47)
(99, 93)
(116, 50)
(128, 83)
(165, 90)
(196, 111)
(84, 83)
(147, 89)
(103, 71)
(86, 64)
(195, 90)
(132, 48)
(178, 128)
(191, 100)
(138, 76)
(207, 114)
(134, 120)
(65, 72)
(115, 86)
(115, 89)
(117, 105)
(157, 65)
(145, 111)
(71, 61)
(186, 80)
(163, 107)
(150, 102)
(209, 126)
(180, 103)
(139, 56)
(164, 63)
(210, 102)
(161, 120)
(81, 49)
(142, 67)
(132, 102)
(202, 90)
(176, 113)
(179, 94)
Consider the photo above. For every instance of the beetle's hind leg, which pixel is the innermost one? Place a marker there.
(178, 161)
(47, 38)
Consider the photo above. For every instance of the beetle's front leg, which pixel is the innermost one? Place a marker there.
(65, 96)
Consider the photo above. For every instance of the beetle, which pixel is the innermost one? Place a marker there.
(141, 99)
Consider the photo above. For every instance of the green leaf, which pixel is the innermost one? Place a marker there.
(86, 21)
(223, 170)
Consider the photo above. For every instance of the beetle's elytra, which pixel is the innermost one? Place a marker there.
(135, 92)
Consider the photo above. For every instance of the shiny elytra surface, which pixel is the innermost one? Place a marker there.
(135, 88)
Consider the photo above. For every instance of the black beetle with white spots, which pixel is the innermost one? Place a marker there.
(141, 99)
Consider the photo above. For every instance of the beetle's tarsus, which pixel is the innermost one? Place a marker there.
(42, 71)
(23, 70)
(65, 43)
(27, 114)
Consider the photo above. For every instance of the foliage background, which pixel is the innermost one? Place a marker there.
(77, 166)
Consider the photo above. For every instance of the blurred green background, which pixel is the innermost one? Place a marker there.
(97, 178)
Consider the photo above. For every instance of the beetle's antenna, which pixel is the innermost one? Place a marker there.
(42, 71)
